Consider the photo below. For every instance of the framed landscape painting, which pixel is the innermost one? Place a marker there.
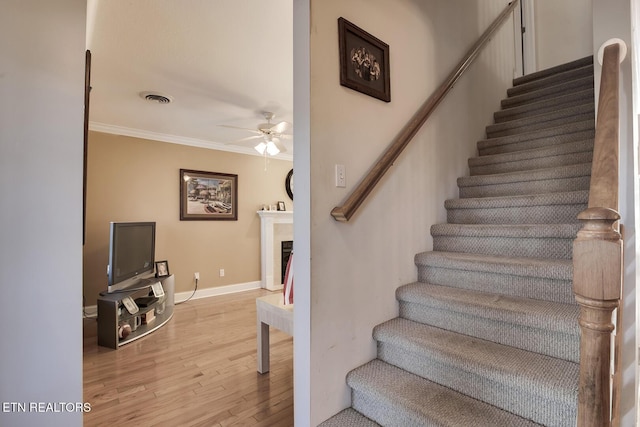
(208, 195)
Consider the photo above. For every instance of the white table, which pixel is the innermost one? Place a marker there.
(271, 311)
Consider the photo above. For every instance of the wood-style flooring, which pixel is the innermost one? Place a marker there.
(197, 370)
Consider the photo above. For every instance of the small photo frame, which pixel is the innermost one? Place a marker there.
(364, 61)
(162, 268)
(281, 206)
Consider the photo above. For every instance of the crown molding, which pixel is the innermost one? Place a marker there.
(182, 140)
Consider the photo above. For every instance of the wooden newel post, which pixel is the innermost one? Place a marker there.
(597, 269)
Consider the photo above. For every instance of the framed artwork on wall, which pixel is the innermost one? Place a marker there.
(87, 93)
(364, 61)
(288, 184)
(208, 195)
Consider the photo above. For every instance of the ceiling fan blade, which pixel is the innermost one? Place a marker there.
(281, 127)
(237, 127)
(244, 141)
(285, 136)
(280, 145)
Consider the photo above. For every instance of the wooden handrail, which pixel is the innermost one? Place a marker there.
(597, 256)
(359, 194)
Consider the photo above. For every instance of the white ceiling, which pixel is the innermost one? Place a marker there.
(223, 62)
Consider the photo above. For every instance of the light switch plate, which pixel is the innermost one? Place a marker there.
(341, 176)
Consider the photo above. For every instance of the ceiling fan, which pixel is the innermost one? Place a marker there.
(268, 134)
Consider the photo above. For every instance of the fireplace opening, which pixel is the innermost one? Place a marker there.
(286, 247)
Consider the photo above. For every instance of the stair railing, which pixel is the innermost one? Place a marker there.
(359, 194)
(597, 256)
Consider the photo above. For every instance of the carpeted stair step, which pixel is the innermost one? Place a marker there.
(578, 63)
(394, 397)
(544, 279)
(542, 121)
(534, 386)
(548, 208)
(521, 240)
(552, 80)
(549, 105)
(349, 418)
(540, 326)
(541, 162)
(549, 180)
(576, 131)
(564, 121)
(548, 92)
(559, 155)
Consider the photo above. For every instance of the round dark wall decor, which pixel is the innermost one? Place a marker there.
(288, 184)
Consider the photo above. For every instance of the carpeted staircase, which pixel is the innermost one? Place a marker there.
(489, 334)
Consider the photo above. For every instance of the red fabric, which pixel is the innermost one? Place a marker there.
(287, 291)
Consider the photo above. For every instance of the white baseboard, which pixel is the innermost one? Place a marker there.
(91, 311)
(219, 290)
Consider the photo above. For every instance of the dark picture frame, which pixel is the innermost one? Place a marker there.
(281, 206)
(85, 140)
(288, 184)
(364, 61)
(208, 195)
(162, 269)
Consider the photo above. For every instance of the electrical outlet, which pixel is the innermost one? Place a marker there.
(196, 276)
(222, 272)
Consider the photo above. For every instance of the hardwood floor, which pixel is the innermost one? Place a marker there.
(197, 370)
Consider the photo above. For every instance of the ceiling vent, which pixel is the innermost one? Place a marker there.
(156, 97)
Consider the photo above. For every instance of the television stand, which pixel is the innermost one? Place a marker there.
(112, 312)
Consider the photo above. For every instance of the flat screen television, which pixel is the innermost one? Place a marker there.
(131, 253)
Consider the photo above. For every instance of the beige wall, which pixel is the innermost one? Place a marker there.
(563, 31)
(355, 268)
(131, 179)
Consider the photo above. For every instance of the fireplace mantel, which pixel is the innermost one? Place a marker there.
(268, 219)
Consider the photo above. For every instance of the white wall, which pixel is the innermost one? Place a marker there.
(301, 215)
(635, 306)
(563, 31)
(41, 116)
(356, 267)
(612, 19)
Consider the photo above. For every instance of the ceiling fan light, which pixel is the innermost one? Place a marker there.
(260, 147)
(272, 150)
